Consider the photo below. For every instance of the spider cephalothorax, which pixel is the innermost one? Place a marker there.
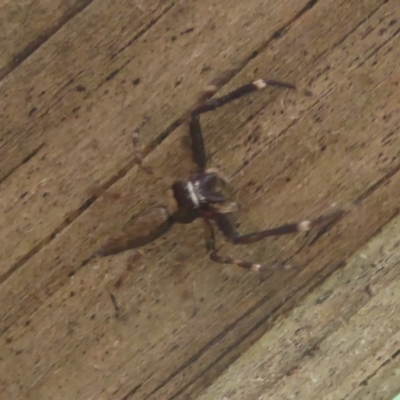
(199, 196)
(198, 192)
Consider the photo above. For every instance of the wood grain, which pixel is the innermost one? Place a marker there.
(67, 112)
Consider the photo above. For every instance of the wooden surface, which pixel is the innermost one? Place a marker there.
(77, 77)
(341, 342)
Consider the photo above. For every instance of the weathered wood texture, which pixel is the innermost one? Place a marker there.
(75, 82)
(341, 342)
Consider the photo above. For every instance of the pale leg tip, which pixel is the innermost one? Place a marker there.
(256, 267)
(304, 226)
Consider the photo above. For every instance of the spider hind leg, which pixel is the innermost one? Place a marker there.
(227, 228)
(225, 259)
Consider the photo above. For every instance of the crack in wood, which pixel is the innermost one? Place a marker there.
(144, 30)
(276, 311)
(29, 157)
(21, 56)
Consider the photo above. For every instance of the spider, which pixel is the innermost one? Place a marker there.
(199, 196)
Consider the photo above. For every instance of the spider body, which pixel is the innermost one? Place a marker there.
(199, 197)
(197, 192)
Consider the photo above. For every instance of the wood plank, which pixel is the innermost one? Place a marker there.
(183, 320)
(24, 27)
(64, 75)
(74, 137)
(342, 341)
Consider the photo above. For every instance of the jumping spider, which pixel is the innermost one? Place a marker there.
(199, 197)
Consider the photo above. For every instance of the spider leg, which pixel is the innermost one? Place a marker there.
(223, 178)
(220, 259)
(244, 90)
(225, 208)
(196, 136)
(197, 142)
(225, 225)
(141, 230)
(138, 155)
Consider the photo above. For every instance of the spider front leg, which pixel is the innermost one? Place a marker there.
(196, 135)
